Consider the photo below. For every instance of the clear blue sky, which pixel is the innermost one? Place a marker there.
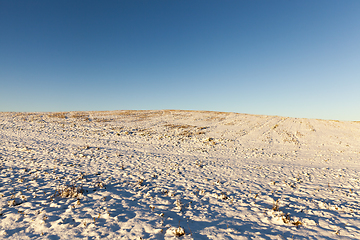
(289, 58)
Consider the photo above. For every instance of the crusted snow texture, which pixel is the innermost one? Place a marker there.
(177, 174)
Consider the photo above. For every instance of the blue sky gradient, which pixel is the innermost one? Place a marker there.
(288, 58)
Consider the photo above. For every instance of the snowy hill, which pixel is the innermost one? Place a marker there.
(177, 174)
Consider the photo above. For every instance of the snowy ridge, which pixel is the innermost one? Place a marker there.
(177, 174)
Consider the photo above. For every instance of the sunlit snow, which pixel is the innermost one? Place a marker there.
(177, 174)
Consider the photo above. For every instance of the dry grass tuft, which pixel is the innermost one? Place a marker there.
(297, 223)
(276, 206)
(81, 116)
(69, 191)
(57, 115)
(178, 232)
(174, 126)
(102, 120)
(286, 218)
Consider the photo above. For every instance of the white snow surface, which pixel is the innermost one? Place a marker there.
(172, 174)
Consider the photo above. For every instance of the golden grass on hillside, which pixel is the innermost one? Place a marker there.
(57, 115)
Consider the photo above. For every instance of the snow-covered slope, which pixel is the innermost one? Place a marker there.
(169, 174)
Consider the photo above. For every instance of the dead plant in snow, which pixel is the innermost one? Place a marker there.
(276, 205)
(179, 231)
(69, 191)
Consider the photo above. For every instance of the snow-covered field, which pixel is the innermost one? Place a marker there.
(177, 174)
